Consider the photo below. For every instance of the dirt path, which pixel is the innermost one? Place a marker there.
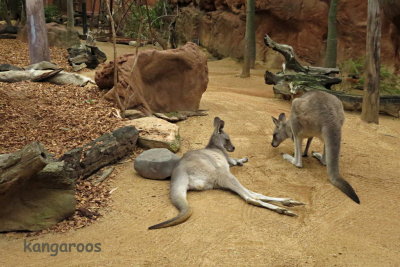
(225, 231)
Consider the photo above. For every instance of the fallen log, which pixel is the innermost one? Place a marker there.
(60, 78)
(105, 150)
(35, 191)
(291, 62)
(315, 81)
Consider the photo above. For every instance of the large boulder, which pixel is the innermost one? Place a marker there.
(58, 35)
(156, 163)
(156, 133)
(161, 81)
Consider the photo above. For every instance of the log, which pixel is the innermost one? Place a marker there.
(60, 78)
(105, 150)
(35, 191)
(20, 165)
(295, 75)
(291, 62)
(314, 81)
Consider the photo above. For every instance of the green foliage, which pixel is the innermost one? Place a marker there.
(389, 81)
(51, 13)
(156, 16)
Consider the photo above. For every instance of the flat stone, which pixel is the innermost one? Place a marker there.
(156, 133)
(156, 163)
(134, 114)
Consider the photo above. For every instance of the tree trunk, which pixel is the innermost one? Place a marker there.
(37, 32)
(370, 105)
(250, 36)
(331, 45)
(121, 107)
(84, 18)
(70, 13)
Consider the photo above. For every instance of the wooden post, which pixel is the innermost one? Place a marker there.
(370, 105)
(37, 32)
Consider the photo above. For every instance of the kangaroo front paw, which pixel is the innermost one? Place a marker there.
(242, 161)
(319, 157)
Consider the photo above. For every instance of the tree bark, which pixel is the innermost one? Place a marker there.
(70, 13)
(37, 32)
(370, 105)
(105, 150)
(331, 45)
(249, 50)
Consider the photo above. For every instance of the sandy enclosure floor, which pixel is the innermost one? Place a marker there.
(330, 230)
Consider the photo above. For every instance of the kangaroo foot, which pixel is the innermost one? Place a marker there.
(277, 209)
(292, 160)
(238, 162)
(320, 157)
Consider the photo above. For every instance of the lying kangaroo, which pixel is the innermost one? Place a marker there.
(208, 168)
(315, 114)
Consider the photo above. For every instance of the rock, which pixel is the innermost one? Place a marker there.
(132, 43)
(162, 81)
(134, 114)
(92, 56)
(35, 191)
(58, 35)
(156, 133)
(156, 163)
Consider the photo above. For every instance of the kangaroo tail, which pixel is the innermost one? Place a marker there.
(346, 188)
(332, 143)
(178, 198)
(180, 218)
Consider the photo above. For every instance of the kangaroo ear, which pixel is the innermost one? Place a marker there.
(217, 121)
(218, 124)
(282, 117)
(276, 121)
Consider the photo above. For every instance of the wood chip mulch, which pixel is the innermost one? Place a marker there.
(59, 117)
(16, 52)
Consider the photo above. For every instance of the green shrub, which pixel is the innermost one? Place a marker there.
(389, 81)
(51, 13)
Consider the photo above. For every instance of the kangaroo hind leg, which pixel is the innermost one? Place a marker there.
(230, 182)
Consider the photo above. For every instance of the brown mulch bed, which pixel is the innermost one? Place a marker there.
(59, 117)
(16, 52)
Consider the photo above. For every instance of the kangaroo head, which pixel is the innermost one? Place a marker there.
(219, 138)
(281, 132)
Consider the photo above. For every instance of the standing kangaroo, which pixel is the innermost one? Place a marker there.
(208, 168)
(315, 114)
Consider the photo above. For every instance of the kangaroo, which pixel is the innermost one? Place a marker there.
(315, 114)
(208, 168)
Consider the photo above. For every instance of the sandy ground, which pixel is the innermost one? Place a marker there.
(330, 230)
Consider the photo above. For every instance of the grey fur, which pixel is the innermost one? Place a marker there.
(315, 114)
(208, 168)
